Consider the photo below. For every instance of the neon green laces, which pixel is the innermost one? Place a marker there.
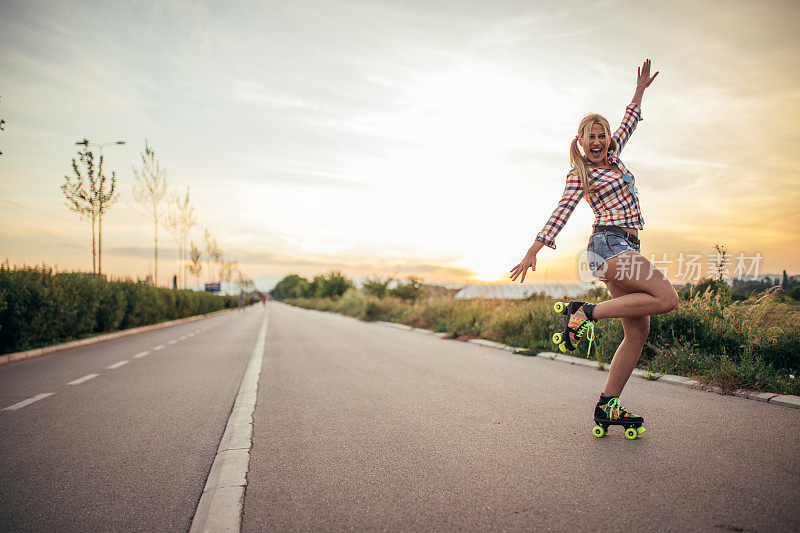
(588, 325)
(613, 408)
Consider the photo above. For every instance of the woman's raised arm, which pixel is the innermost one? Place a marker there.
(643, 81)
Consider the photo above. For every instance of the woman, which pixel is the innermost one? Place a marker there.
(637, 289)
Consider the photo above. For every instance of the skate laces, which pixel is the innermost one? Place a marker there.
(586, 325)
(614, 410)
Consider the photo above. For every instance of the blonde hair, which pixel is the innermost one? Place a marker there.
(576, 159)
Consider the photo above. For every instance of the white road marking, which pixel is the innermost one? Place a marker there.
(220, 506)
(159, 347)
(117, 365)
(87, 377)
(141, 354)
(29, 401)
(182, 338)
(173, 341)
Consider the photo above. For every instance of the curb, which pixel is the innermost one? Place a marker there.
(44, 350)
(220, 506)
(785, 400)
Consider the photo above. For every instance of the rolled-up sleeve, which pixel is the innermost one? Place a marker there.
(573, 192)
(633, 114)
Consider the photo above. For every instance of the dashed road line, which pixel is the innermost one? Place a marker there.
(159, 347)
(117, 365)
(170, 343)
(182, 338)
(141, 354)
(29, 401)
(85, 378)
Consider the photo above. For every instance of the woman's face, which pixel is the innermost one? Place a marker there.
(597, 146)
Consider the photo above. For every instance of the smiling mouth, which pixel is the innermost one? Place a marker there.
(596, 151)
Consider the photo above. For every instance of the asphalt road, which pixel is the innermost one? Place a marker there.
(361, 426)
(129, 449)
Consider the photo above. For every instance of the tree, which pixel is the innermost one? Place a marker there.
(292, 286)
(180, 221)
(331, 285)
(226, 270)
(105, 198)
(149, 190)
(214, 254)
(90, 194)
(408, 290)
(721, 265)
(376, 287)
(196, 265)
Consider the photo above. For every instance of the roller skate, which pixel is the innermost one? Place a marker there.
(610, 413)
(577, 324)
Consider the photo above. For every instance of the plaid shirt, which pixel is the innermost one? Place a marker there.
(612, 203)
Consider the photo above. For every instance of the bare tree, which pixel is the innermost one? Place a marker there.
(214, 255)
(229, 270)
(149, 191)
(196, 265)
(180, 221)
(79, 193)
(225, 271)
(722, 260)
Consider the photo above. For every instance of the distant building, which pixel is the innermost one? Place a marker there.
(519, 290)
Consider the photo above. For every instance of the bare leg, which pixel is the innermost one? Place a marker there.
(629, 350)
(645, 290)
(636, 293)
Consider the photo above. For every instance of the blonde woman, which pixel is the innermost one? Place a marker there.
(637, 288)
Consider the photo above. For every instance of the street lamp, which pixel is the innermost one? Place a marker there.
(87, 144)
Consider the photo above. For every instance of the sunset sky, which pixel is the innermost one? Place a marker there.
(390, 138)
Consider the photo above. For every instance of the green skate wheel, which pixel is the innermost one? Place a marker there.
(563, 347)
(557, 338)
(598, 432)
(631, 433)
(559, 307)
(640, 430)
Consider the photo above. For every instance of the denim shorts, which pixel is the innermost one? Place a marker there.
(604, 245)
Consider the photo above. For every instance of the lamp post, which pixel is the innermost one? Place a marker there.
(87, 144)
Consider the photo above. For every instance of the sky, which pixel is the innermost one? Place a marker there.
(397, 138)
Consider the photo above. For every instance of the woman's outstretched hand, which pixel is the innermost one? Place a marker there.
(529, 261)
(643, 79)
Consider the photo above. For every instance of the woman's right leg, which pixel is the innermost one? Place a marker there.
(648, 291)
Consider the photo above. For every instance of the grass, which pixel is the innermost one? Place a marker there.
(752, 344)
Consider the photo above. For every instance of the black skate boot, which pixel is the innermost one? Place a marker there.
(610, 413)
(578, 323)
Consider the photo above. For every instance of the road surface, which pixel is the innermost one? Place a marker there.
(363, 426)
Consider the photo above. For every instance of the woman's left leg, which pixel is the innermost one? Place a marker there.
(629, 351)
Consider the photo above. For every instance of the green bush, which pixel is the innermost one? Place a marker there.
(39, 307)
(376, 287)
(411, 289)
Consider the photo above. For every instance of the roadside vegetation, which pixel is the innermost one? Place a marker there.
(713, 335)
(39, 306)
